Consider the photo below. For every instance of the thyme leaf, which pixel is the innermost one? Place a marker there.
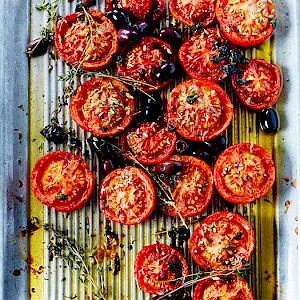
(68, 250)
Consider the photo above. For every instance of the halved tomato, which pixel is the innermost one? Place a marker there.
(223, 241)
(62, 180)
(191, 186)
(243, 173)
(193, 12)
(86, 40)
(246, 23)
(102, 106)
(202, 56)
(157, 267)
(149, 143)
(151, 63)
(230, 289)
(127, 196)
(258, 85)
(199, 110)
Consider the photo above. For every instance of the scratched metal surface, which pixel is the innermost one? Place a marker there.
(28, 94)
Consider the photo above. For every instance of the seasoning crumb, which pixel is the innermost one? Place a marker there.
(287, 205)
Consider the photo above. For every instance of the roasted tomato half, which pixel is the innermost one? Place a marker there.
(150, 62)
(199, 110)
(102, 106)
(86, 40)
(246, 23)
(156, 268)
(149, 143)
(223, 241)
(258, 85)
(191, 184)
(203, 56)
(127, 196)
(225, 288)
(243, 173)
(193, 12)
(62, 180)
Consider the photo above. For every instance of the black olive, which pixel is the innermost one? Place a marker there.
(169, 167)
(214, 146)
(171, 36)
(127, 36)
(119, 18)
(181, 146)
(37, 47)
(54, 133)
(151, 108)
(108, 166)
(269, 120)
(165, 72)
(184, 233)
(171, 128)
(102, 149)
(75, 143)
(118, 58)
(143, 28)
(204, 155)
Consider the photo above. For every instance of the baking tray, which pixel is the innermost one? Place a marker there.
(28, 92)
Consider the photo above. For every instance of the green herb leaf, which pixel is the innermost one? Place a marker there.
(61, 196)
(192, 98)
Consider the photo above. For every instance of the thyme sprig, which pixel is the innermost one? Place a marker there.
(207, 275)
(52, 7)
(74, 254)
(165, 189)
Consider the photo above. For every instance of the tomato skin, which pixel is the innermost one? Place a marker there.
(199, 110)
(196, 55)
(149, 143)
(237, 29)
(127, 196)
(262, 84)
(212, 242)
(102, 106)
(235, 289)
(243, 173)
(193, 12)
(62, 173)
(196, 179)
(154, 279)
(71, 41)
(143, 60)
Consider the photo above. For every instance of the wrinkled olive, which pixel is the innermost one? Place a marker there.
(204, 155)
(269, 120)
(181, 146)
(127, 36)
(214, 146)
(171, 36)
(151, 108)
(108, 166)
(143, 28)
(54, 133)
(37, 47)
(165, 72)
(75, 143)
(119, 18)
(169, 167)
(97, 146)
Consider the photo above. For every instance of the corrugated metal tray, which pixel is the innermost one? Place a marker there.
(28, 94)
